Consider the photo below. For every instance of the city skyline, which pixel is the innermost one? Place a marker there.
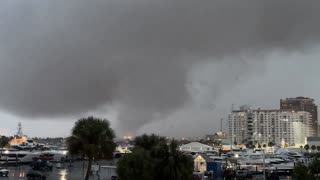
(171, 71)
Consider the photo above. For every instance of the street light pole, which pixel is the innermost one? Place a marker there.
(264, 166)
(7, 153)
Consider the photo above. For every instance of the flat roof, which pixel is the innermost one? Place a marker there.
(313, 138)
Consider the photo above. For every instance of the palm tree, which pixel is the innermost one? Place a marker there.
(173, 164)
(259, 146)
(154, 158)
(249, 145)
(139, 163)
(307, 147)
(264, 145)
(270, 144)
(301, 172)
(235, 143)
(92, 137)
(314, 168)
(313, 148)
(318, 148)
(148, 141)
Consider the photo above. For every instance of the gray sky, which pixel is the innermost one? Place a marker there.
(169, 67)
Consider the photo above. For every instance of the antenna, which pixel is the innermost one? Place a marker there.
(19, 132)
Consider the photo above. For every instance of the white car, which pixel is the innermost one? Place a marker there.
(4, 172)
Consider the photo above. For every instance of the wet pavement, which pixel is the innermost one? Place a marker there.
(75, 172)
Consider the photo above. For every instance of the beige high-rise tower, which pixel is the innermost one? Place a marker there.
(303, 104)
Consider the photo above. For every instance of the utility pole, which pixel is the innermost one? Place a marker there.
(232, 133)
(264, 165)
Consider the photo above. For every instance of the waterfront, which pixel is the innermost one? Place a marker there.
(75, 172)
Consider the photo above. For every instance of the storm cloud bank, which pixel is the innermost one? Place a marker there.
(60, 58)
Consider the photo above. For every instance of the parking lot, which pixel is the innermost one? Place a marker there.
(65, 173)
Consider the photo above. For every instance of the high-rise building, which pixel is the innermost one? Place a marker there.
(302, 104)
(264, 126)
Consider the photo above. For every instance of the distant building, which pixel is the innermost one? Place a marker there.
(216, 136)
(263, 126)
(301, 126)
(303, 104)
(195, 147)
(205, 163)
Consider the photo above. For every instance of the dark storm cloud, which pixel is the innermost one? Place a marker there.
(61, 58)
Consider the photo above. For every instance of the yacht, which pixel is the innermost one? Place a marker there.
(254, 162)
(17, 156)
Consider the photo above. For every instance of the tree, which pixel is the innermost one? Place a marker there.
(301, 172)
(175, 165)
(301, 147)
(270, 144)
(217, 142)
(264, 145)
(318, 148)
(4, 141)
(314, 168)
(310, 172)
(210, 142)
(307, 147)
(249, 145)
(139, 163)
(148, 141)
(235, 143)
(92, 137)
(313, 148)
(259, 146)
(154, 158)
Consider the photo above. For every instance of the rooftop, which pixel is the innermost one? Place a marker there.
(313, 138)
(298, 98)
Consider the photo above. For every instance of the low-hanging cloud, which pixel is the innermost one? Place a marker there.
(60, 58)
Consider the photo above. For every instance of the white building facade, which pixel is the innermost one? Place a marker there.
(195, 147)
(277, 126)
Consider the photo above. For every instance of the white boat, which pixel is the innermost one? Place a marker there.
(254, 162)
(15, 156)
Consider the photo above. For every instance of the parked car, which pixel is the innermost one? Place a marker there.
(249, 174)
(4, 172)
(114, 178)
(36, 175)
(243, 174)
(276, 174)
(272, 175)
(229, 174)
